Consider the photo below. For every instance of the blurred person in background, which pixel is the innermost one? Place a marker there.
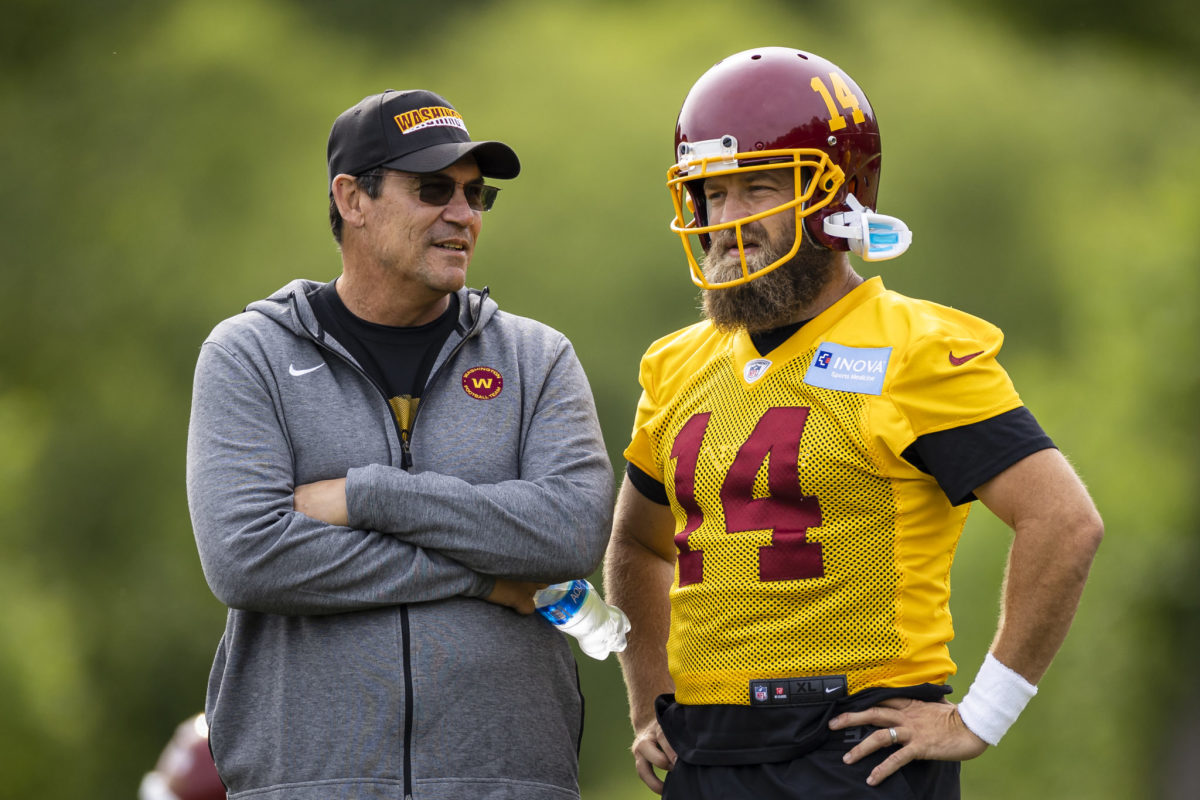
(382, 470)
(801, 467)
(185, 770)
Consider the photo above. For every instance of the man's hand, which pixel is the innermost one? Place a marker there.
(323, 500)
(651, 749)
(517, 595)
(931, 731)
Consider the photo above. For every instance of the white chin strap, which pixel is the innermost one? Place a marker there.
(872, 237)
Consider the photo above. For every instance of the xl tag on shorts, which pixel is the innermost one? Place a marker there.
(849, 369)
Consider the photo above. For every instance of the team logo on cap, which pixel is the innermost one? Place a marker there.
(482, 383)
(429, 117)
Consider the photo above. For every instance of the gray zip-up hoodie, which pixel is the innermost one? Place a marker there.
(361, 662)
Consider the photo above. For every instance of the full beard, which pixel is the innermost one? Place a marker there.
(772, 300)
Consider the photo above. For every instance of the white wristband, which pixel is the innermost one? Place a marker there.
(995, 700)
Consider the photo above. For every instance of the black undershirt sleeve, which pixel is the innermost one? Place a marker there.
(650, 488)
(964, 458)
(959, 459)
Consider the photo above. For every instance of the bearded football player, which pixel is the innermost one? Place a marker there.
(802, 464)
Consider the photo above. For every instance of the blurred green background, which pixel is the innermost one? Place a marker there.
(166, 165)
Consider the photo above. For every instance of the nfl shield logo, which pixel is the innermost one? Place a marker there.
(760, 691)
(755, 369)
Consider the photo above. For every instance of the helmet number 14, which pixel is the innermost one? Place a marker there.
(845, 96)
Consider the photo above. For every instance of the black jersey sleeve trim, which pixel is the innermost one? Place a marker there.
(964, 458)
(650, 488)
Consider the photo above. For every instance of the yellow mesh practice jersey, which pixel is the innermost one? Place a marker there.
(806, 544)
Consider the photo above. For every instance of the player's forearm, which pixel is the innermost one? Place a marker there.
(639, 569)
(1056, 531)
(1047, 569)
(638, 582)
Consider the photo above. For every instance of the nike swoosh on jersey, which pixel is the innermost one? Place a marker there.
(298, 372)
(960, 360)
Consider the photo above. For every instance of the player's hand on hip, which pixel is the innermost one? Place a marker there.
(651, 749)
(931, 731)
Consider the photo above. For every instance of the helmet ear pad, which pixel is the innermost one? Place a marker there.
(814, 230)
(862, 181)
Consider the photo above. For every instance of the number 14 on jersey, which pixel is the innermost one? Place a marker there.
(786, 511)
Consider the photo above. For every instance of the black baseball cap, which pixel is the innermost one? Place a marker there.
(413, 131)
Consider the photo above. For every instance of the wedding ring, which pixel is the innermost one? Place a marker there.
(892, 733)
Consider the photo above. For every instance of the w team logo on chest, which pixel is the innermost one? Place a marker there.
(482, 383)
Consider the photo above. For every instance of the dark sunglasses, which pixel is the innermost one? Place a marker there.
(436, 189)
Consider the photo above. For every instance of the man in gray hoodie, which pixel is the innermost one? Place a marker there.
(381, 471)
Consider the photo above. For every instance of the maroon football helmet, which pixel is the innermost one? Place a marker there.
(185, 770)
(778, 108)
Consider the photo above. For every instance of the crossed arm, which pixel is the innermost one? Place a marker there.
(1056, 531)
(420, 539)
(257, 553)
(326, 501)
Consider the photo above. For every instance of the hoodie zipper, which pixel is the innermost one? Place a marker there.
(405, 453)
(406, 459)
(406, 462)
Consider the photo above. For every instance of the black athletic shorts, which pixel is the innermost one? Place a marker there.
(787, 752)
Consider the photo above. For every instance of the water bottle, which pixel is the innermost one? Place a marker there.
(575, 607)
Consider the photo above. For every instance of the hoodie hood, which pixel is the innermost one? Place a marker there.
(289, 306)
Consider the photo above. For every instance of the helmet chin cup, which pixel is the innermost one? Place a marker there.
(871, 236)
